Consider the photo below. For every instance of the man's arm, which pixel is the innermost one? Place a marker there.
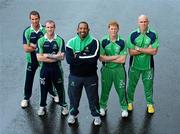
(29, 48)
(58, 56)
(71, 57)
(45, 58)
(92, 56)
(121, 59)
(149, 50)
(106, 58)
(134, 52)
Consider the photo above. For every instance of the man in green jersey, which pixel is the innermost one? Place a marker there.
(30, 37)
(143, 44)
(113, 54)
(50, 52)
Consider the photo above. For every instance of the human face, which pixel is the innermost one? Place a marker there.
(35, 20)
(50, 28)
(113, 31)
(83, 30)
(143, 23)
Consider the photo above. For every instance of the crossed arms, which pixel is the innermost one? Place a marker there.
(50, 58)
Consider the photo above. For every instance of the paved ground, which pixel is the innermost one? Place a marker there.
(164, 17)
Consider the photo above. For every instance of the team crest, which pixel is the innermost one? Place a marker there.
(54, 46)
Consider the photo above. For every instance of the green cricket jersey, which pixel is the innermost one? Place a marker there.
(110, 48)
(142, 40)
(32, 36)
(50, 46)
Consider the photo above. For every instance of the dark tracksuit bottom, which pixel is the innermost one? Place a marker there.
(76, 85)
(52, 74)
(30, 72)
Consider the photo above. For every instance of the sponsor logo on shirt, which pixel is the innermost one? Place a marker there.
(33, 37)
(46, 45)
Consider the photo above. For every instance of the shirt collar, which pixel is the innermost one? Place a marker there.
(40, 28)
(55, 36)
(84, 39)
(117, 38)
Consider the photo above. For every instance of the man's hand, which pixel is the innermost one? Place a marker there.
(150, 46)
(33, 45)
(58, 56)
(46, 55)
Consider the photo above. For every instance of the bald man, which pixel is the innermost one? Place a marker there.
(143, 45)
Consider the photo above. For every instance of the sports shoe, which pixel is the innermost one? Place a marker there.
(64, 110)
(56, 98)
(97, 121)
(124, 113)
(150, 109)
(72, 119)
(24, 103)
(130, 106)
(102, 111)
(41, 111)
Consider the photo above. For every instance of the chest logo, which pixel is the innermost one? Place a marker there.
(54, 46)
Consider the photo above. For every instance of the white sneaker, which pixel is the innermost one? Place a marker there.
(56, 98)
(72, 119)
(97, 121)
(124, 113)
(41, 111)
(102, 111)
(64, 110)
(24, 103)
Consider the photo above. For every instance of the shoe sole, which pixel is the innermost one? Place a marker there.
(42, 114)
(24, 107)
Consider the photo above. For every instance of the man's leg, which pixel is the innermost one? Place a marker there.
(30, 72)
(45, 82)
(91, 87)
(147, 78)
(106, 83)
(75, 87)
(134, 75)
(59, 85)
(120, 86)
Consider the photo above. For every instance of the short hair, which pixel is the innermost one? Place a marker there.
(83, 22)
(113, 23)
(143, 16)
(34, 13)
(50, 21)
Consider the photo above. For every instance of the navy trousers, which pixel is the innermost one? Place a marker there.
(75, 87)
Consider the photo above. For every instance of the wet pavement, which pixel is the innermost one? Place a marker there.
(164, 18)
